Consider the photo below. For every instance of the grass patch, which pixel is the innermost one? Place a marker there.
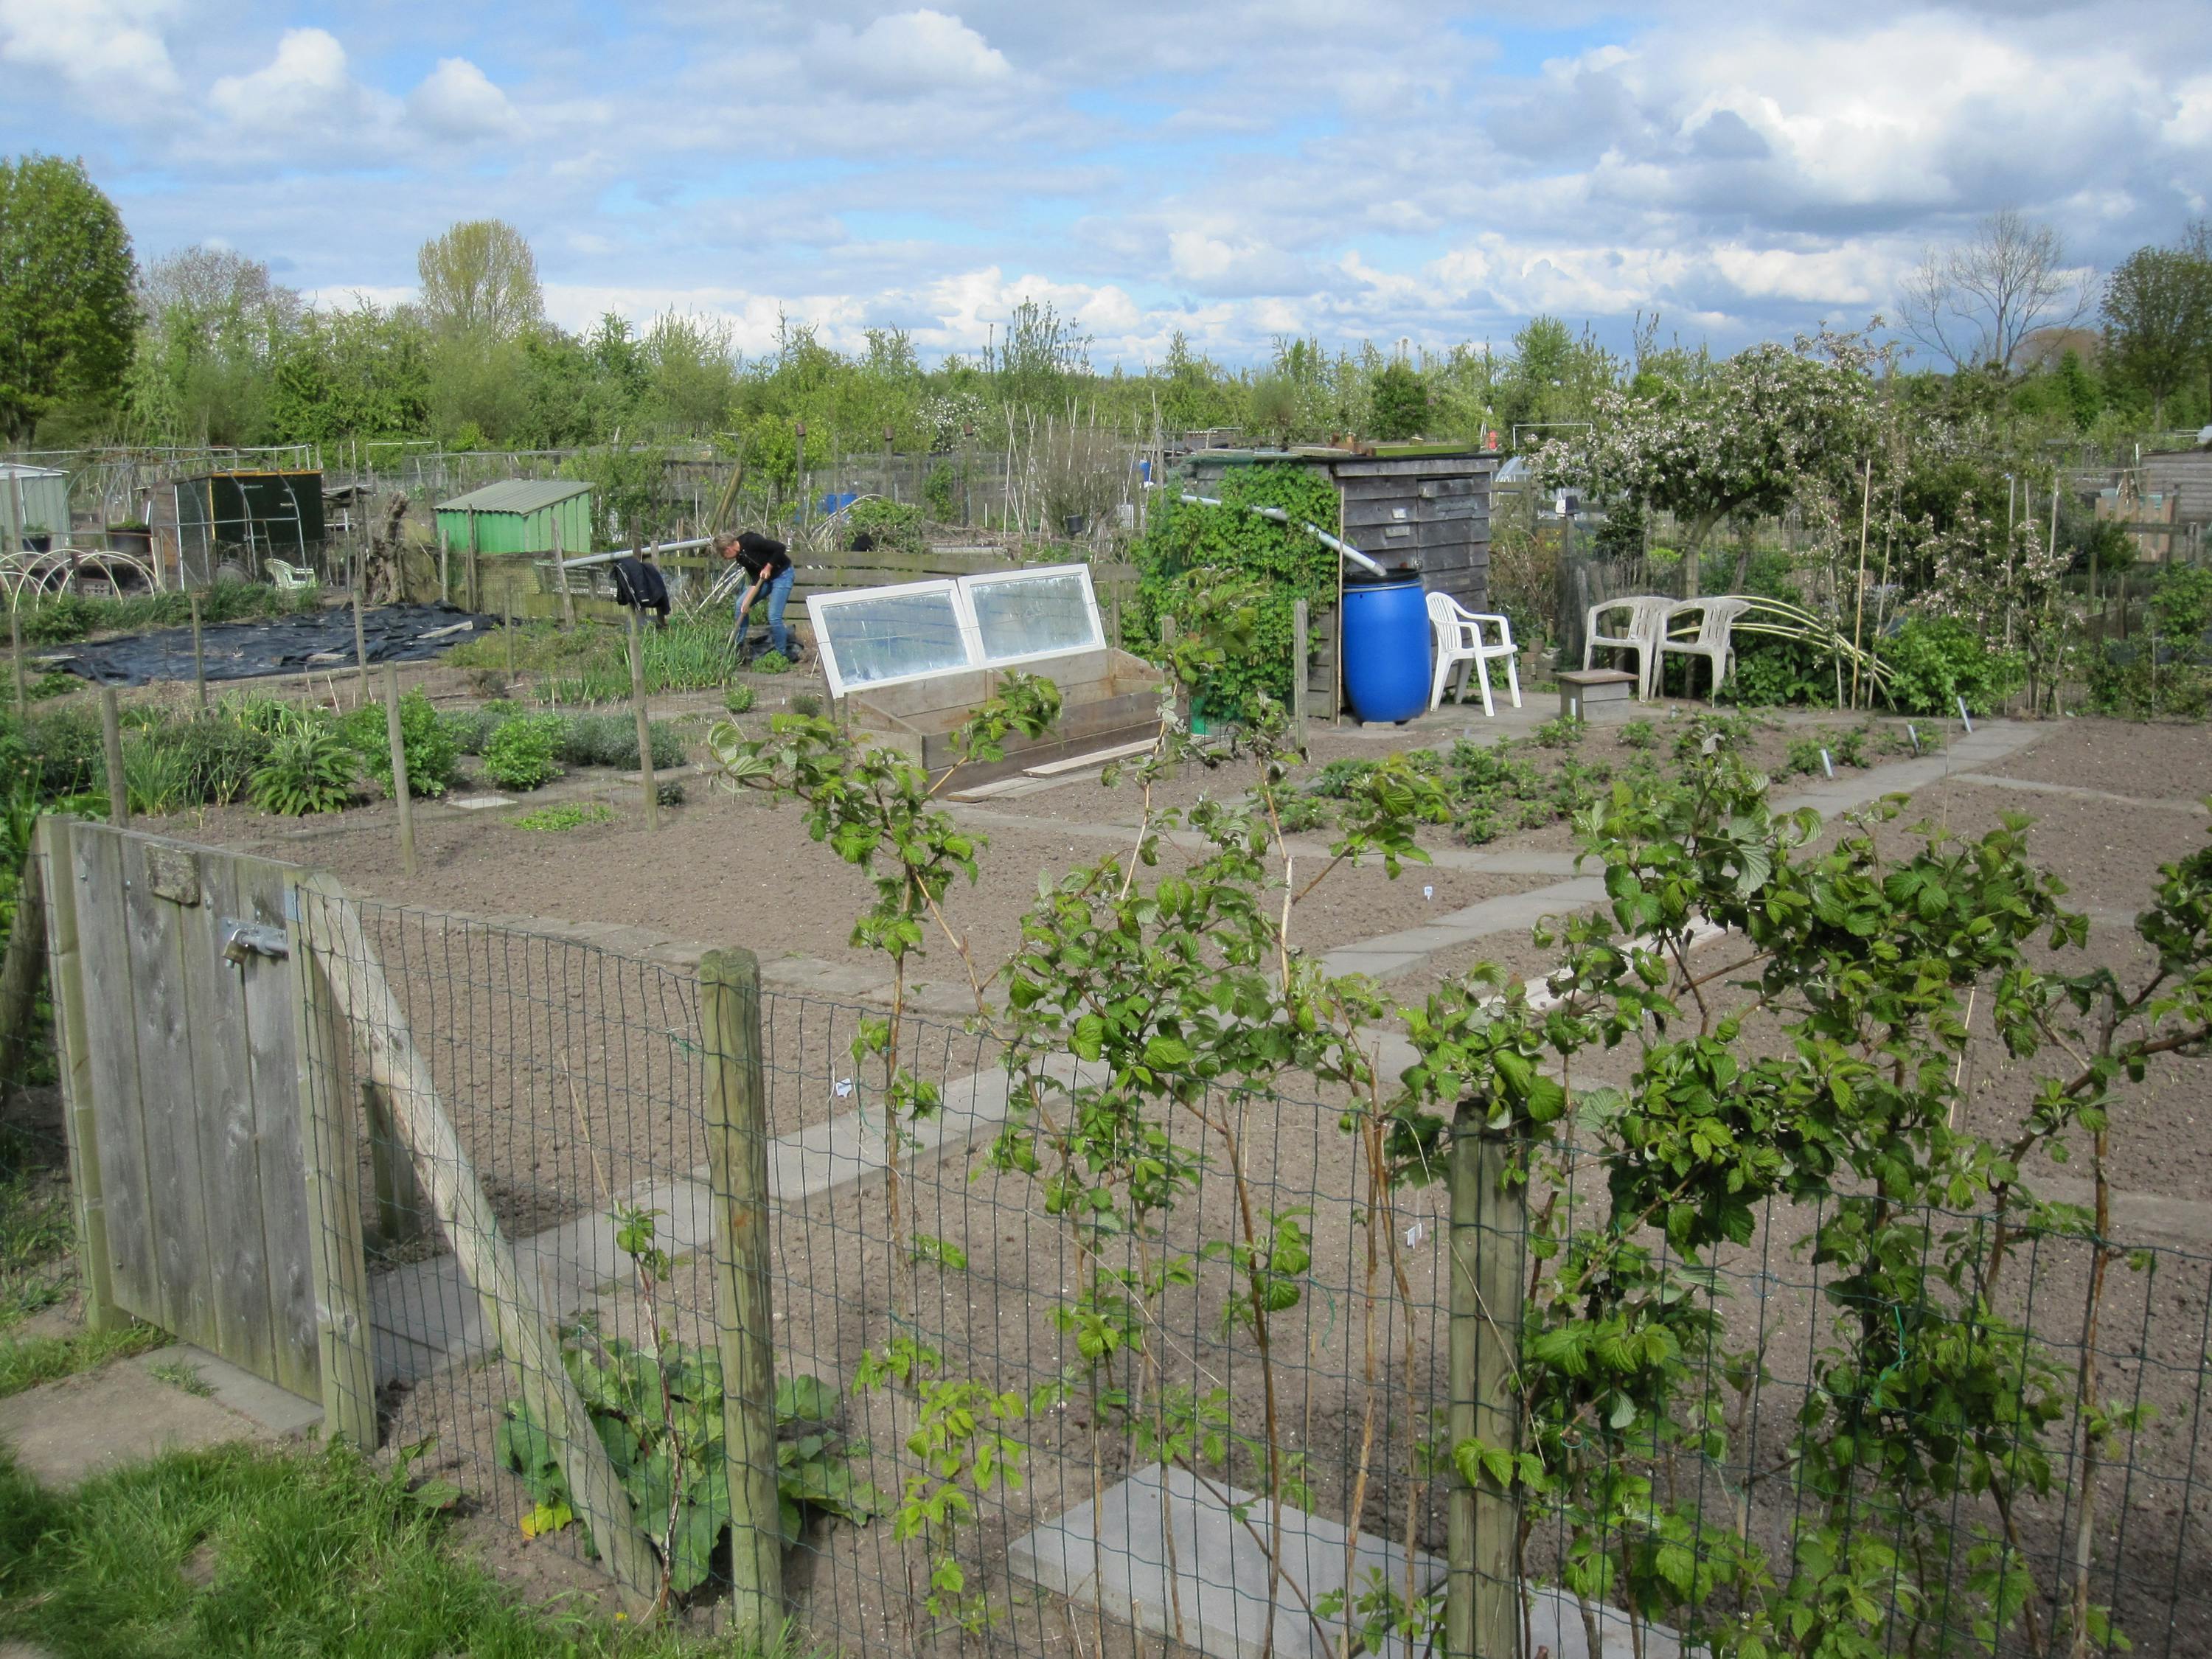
(319, 1554)
(570, 815)
(180, 1374)
(25, 1362)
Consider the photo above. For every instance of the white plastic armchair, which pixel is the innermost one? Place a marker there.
(291, 578)
(1643, 619)
(1460, 644)
(1712, 640)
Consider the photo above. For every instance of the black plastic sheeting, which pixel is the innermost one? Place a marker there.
(314, 640)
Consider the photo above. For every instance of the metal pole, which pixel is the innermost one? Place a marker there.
(644, 725)
(737, 1142)
(199, 650)
(398, 745)
(1489, 1237)
(111, 739)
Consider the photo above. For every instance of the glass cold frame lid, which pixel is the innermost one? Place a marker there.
(1027, 616)
(896, 633)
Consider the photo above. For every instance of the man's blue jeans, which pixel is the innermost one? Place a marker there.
(777, 596)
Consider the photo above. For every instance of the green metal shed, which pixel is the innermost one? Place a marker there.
(518, 515)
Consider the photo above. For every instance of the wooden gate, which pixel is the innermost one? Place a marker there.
(215, 1199)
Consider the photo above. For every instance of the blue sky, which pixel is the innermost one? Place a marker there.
(1237, 171)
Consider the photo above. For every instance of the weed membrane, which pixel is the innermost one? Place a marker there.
(287, 645)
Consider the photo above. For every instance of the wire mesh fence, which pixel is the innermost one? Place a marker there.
(999, 1425)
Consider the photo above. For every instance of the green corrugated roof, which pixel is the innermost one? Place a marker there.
(516, 495)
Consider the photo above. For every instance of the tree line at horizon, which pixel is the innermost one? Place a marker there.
(203, 346)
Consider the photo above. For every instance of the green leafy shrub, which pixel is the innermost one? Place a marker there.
(805, 704)
(311, 768)
(2167, 669)
(1192, 556)
(1773, 672)
(1564, 731)
(1638, 734)
(658, 1412)
(64, 751)
(739, 699)
(1934, 660)
(1715, 732)
(432, 756)
(520, 754)
(892, 526)
(771, 662)
(611, 741)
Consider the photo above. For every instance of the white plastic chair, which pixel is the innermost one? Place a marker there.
(1711, 641)
(1646, 620)
(1459, 643)
(291, 578)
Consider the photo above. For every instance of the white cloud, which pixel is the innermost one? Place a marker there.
(114, 48)
(304, 94)
(911, 52)
(458, 100)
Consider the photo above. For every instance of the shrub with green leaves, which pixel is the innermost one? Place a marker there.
(432, 756)
(611, 741)
(771, 662)
(520, 752)
(1933, 661)
(658, 1414)
(890, 527)
(311, 768)
(739, 699)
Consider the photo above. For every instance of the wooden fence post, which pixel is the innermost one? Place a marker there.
(73, 1057)
(15, 647)
(396, 739)
(736, 1136)
(199, 652)
(476, 597)
(361, 994)
(644, 725)
(561, 576)
(1489, 1239)
(111, 740)
(329, 1160)
(360, 639)
(1299, 673)
(507, 623)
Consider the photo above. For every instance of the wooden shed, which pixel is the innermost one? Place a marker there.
(518, 515)
(1426, 506)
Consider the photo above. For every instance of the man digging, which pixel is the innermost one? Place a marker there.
(768, 570)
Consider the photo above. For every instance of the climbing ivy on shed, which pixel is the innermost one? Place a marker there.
(1197, 562)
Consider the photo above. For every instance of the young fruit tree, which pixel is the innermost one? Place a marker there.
(1742, 437)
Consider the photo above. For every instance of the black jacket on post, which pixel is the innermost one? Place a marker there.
(638, 583)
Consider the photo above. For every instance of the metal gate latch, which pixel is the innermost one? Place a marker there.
(242, 939)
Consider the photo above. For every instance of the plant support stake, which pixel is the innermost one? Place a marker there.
(1489, 1231)
(199, 651)
(644, 725)
(399, 793)
(15, 645)
(111, 739)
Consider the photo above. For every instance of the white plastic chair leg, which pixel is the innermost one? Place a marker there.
(1512, 679)
(1482, 669)
(1436, 681)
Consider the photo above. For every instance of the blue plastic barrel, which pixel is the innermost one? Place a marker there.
(1386, 649)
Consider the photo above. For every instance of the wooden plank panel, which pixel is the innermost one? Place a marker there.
(1461, 468)
(95, 1258)
(182, 1218)
(112, 1045)
(222, 1119)
(271, 1050)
